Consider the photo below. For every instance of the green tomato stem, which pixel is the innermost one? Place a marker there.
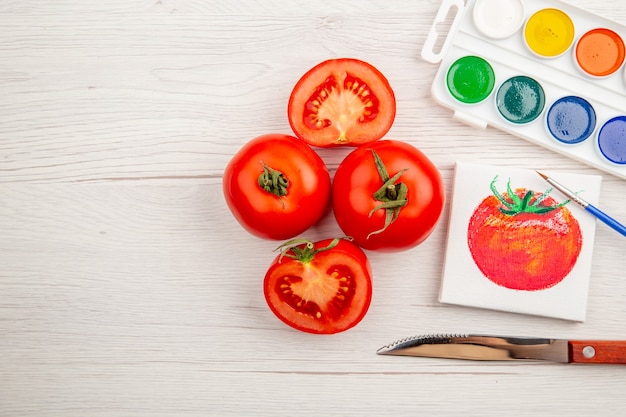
(273, 182)
(392, 195)
(515, 204)
(303, 250)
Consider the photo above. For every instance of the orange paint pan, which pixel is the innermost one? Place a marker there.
(600, 52)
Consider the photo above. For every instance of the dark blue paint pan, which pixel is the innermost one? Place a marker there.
(571, 120)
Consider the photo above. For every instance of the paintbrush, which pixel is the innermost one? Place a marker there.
(599, 214)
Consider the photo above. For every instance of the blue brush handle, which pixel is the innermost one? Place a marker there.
(608, 220)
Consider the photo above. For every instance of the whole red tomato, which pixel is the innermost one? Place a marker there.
(276, 186)
(387, 196)
(523, 240)
(341, 102)
(322, 287)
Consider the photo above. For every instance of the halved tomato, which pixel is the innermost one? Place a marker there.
(322, 287)
(341, 102)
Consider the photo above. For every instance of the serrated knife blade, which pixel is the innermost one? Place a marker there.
(498, 348)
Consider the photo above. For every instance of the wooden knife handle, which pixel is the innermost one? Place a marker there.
(597, 351)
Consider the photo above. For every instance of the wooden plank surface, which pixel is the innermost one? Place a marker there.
(128, 289)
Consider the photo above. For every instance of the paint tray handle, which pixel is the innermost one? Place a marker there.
(429, 53)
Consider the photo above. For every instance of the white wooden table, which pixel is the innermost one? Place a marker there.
(128, 289)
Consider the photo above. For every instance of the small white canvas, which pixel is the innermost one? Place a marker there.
(519, 263)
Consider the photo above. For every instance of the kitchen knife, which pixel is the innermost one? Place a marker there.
(495, 348)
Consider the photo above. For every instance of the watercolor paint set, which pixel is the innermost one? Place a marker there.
(542, 70)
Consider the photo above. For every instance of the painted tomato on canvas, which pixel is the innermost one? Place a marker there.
(276, 186)
(341, 102)
(387, 196)
(323, 287)
(523, 240)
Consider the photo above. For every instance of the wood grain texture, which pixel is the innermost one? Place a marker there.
(127, 288)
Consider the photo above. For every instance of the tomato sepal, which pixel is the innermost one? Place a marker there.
(529, 203)
(392, 196)
(273, 181)
(303, 250)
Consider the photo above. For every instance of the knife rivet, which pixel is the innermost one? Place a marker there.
(589, 352)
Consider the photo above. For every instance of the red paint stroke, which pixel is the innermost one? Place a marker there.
(523, 240)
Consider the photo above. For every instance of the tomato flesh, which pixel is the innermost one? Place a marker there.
(329, 294)
(307, 293)
(341, 102)
(347, 102)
